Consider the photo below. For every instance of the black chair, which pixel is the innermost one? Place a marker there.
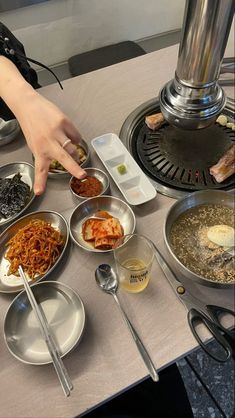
(103, 57)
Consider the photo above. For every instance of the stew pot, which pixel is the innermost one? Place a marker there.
(204, 197)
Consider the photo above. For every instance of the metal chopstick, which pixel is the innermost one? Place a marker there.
(51, 345)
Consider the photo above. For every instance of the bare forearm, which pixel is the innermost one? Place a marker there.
(13, 87)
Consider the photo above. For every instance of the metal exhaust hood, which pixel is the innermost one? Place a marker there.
(193, 99)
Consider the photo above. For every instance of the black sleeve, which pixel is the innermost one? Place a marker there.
(22, 64)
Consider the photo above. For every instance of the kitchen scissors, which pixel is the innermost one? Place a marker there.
(199, 312)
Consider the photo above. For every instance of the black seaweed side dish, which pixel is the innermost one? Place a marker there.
(14, 195)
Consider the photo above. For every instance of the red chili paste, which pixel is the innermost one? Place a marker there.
(88, 187)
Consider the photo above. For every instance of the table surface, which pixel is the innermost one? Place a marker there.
(106, 361)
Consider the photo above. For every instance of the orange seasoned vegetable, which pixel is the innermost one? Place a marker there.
(102, 232)
(35, 247)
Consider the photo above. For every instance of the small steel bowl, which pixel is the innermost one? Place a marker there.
(27, 176)
(65, 314)
(65, 173)
(115, 206)
(99, 175)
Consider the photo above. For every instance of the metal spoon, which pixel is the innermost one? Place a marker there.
(106, 278)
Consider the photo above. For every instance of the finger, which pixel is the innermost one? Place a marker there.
(72, 150)
(69, 163)
(72, 132)
(41, 171)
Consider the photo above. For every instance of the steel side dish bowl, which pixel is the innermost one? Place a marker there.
(113, 205)
(9, 131)
(99, 175)
(12, 283)
(65, 315)
(64, 173)
(26, 171)
(193, 200)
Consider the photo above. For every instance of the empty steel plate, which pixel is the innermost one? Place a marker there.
(65, 314)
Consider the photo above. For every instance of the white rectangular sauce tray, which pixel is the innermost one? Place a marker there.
(133, 183)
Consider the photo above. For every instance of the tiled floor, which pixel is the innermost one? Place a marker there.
(218, 377)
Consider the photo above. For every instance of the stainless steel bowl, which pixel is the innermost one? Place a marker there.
(65, 314)
(116, 207)
(27, 172)
(100, 175)
(65, 173)
(203, 197)
(13, 284)
(9, 130)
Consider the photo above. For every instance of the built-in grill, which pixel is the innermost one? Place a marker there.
(177, 161)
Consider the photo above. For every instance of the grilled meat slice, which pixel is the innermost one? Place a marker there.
(225, 166)
(154, 121)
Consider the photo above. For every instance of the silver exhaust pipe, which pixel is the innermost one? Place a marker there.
(193, 99)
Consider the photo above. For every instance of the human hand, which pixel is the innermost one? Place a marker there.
(50, 135)
(46, 129)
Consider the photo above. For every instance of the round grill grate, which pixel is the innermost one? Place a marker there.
(178, 158)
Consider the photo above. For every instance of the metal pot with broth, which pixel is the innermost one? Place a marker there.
(199, 234)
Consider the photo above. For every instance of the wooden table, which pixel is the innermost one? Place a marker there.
(106, 361)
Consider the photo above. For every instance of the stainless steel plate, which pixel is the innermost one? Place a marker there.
(65, 314)
(27, 172)
(116, 207)
(13, 284)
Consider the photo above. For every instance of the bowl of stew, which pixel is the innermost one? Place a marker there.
(96, 183)
(193, 251)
